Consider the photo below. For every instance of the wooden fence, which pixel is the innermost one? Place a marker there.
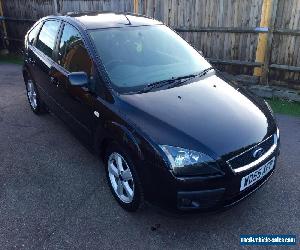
(239, 36)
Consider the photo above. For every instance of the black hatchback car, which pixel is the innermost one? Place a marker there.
(170, 129)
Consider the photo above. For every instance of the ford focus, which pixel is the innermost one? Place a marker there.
(169, 128)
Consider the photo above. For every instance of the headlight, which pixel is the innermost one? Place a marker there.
(277, 133)
(189, 162)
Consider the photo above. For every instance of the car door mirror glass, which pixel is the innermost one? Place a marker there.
(79, 79)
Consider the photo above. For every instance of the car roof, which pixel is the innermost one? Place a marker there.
(102, 20)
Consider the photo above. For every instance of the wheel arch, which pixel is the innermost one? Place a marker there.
(113, 132)
(25, 72)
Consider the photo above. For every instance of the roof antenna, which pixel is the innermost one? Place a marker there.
(129, 23)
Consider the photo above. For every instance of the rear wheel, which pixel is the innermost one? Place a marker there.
(34, 99)
(123, 179)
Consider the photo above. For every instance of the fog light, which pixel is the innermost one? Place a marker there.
(185, 202)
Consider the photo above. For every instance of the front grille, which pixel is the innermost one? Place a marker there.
(246, 157)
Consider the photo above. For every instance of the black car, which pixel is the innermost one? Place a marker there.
(170, 129)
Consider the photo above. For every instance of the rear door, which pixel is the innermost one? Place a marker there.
(43, 60)
(29, 56)
(77, 103)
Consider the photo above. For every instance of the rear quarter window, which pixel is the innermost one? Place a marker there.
(47, 37)
(33, 34)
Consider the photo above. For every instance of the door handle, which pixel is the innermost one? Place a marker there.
(77, 99)
(54, 81)
(32, 61)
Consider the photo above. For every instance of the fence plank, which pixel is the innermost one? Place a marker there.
(3, 23)
(268, 51)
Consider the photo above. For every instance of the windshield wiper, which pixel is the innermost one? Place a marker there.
(158, 84)
(204, 72)
(186, 78)
(175, 80)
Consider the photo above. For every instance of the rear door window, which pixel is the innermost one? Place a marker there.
(72, 54)
(47, 37)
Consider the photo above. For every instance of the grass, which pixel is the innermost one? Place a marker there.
(11, 58)
(284, 107)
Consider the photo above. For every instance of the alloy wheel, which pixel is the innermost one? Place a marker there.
(120, 177)
(31, 93)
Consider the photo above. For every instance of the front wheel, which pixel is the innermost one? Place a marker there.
(123, 179)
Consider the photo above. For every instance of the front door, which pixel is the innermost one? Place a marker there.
(77, 103)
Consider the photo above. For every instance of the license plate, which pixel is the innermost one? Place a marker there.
(256, 175)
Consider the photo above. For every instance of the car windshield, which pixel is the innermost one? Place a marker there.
(137, 56)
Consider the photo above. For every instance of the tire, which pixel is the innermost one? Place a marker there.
(34, 99)
(123, 179)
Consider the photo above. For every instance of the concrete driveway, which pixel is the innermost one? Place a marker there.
(53, 192)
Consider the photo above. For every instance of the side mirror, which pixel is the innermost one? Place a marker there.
(79, 79)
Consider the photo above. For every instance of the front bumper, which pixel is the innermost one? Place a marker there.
(208, 193)
(209, 200)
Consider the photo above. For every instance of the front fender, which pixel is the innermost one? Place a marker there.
(112, 131)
